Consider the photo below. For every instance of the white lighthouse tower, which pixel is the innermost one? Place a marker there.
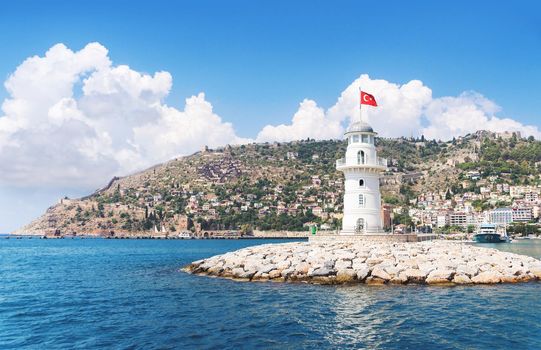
(362, 168)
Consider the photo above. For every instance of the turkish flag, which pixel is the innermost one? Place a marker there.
(367, 99)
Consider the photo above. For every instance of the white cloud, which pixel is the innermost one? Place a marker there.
(403, 110)
(75, 119)
(309, 121)
(454, 116)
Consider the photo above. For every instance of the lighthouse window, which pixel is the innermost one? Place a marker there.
(365, 139)
(360, 157)
(361, 182)
(355, 138)
(361, 200)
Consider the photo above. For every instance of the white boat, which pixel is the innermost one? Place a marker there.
(184, 235)
(490, 233)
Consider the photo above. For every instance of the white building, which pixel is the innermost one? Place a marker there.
(362, 168)
(458, 219)
(442, 220)
(522, 214)
(502, 216)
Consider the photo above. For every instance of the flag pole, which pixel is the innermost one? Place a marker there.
(360, 105)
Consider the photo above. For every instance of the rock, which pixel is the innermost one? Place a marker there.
(346, 276)
(374, 281)
(468, 270)
(266, 268)
(342, 264)
(392, 270)
(461, 278)
(399, 279)
(324, 279)
(240, 273)
(536, 271)
(411, 263)
(302, 268)
(439, 276)
(275, 274)
(260, 277)
(362, 273)
(426, 267)
(358, 260)
(329, 264)
(283, 264)
(413, 275)
(379, 272)
(323, 271)
(434, 262)
(215, 270)
(287, 272)
(487, 277)
(373, 261)
(509, 278)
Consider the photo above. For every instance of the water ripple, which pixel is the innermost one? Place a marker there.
(93, 294)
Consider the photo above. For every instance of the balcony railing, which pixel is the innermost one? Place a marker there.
(379, 162)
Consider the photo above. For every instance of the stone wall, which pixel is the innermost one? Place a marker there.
(326, 238)
(281, 234)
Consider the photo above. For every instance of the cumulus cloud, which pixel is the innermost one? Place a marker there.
(75, 119)
(309, 121)
(454, 116)
(403, 110)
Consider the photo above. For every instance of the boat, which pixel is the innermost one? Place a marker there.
(488, 233)
(184, 235)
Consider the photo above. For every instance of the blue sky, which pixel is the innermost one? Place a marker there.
(256, 61)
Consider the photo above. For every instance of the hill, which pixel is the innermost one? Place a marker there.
(282, 186)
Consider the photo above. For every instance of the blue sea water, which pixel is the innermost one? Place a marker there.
(130, 294)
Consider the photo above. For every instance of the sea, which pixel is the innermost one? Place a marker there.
(131, 294)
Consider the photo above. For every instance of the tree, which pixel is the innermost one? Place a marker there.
(448, 195)
(246, 229)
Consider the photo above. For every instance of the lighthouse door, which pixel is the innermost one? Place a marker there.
(359, 228)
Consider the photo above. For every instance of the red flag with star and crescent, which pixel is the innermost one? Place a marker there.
(367, 99)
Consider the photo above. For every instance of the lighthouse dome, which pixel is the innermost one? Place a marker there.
(359, 126)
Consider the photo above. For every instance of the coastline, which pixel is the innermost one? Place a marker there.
(149, 237)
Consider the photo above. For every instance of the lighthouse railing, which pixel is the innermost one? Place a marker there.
(379, 162)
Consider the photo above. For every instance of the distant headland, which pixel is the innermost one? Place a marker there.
(429, 186)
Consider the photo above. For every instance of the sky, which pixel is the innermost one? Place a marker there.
(98, 89)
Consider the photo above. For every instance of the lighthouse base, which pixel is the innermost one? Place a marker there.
(378, 237)
(357, 233)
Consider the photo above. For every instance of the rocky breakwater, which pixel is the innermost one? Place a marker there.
(434, 262)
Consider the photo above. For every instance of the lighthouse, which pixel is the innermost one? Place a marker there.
(362, 169)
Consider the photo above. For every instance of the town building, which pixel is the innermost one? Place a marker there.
(458, 219)
(386, 210)
(522, 214)
(501, 216)
(442, 220)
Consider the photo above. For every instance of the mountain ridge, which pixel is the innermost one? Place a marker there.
(271, 186)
